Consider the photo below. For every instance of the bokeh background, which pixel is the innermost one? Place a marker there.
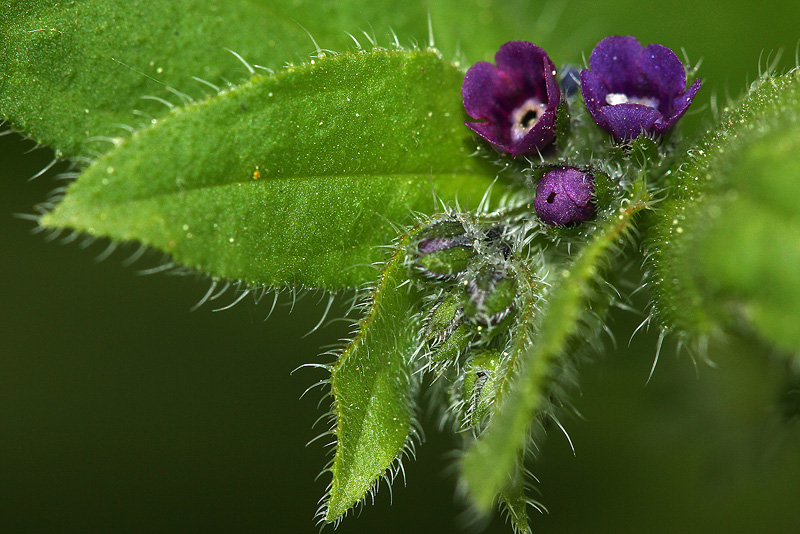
(121, 410)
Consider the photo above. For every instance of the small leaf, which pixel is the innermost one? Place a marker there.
(490, 462)
(371, 385)
(293, 179)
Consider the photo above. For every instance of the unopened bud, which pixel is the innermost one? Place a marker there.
(495, 238)
(446, 333)
(444, 250)
(480, 385)
(565, 197)
(490, 295)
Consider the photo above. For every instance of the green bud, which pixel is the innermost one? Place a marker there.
(490, 295)
(480, 385)
(444, 250)
(446, 333)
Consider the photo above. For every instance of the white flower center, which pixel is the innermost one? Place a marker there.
(525, 117)
(612, 99)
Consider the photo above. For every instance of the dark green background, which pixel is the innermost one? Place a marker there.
(121, 410)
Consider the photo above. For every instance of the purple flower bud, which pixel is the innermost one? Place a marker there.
(632, 90)
(518, 98)
(565, 197)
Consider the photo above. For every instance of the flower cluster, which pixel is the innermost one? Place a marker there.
(472, 265)
(628, 90)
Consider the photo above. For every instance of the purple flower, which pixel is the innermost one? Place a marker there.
(565, 197)
(518, 98)
(630, 89)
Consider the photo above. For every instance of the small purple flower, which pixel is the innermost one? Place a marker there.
(630, 89)
(518, 98)
(565, 197)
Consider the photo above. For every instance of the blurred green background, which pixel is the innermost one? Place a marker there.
(121, 410)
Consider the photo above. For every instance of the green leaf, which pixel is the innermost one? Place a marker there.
(749, 253)
(371, 385)
(514, 500)
(73, 72)
(490, 463)
(292, 179)
(725, 246)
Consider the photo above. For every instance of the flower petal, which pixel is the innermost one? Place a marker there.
(483, 88)
(627, 121)
(663, 73)
(525, 64)
(679, 106)
(594, 95)
(540, 135)
(523, 81)
(614, 60)
(491, 133)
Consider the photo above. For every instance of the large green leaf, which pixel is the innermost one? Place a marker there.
(751, 251)
(71, 72)
(725, 244)
(371, 385)
(292, 179)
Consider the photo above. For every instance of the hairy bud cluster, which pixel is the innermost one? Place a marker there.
(468, 268)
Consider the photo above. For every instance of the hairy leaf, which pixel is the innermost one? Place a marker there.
(491, 461)
(371, 384)
(751, 251)
(73, 72)
(292, 179)
(725, 245)
(513, 498)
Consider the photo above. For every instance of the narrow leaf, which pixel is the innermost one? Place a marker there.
(371, 384)
(515, 502)
(490, 462)
(292, 179)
